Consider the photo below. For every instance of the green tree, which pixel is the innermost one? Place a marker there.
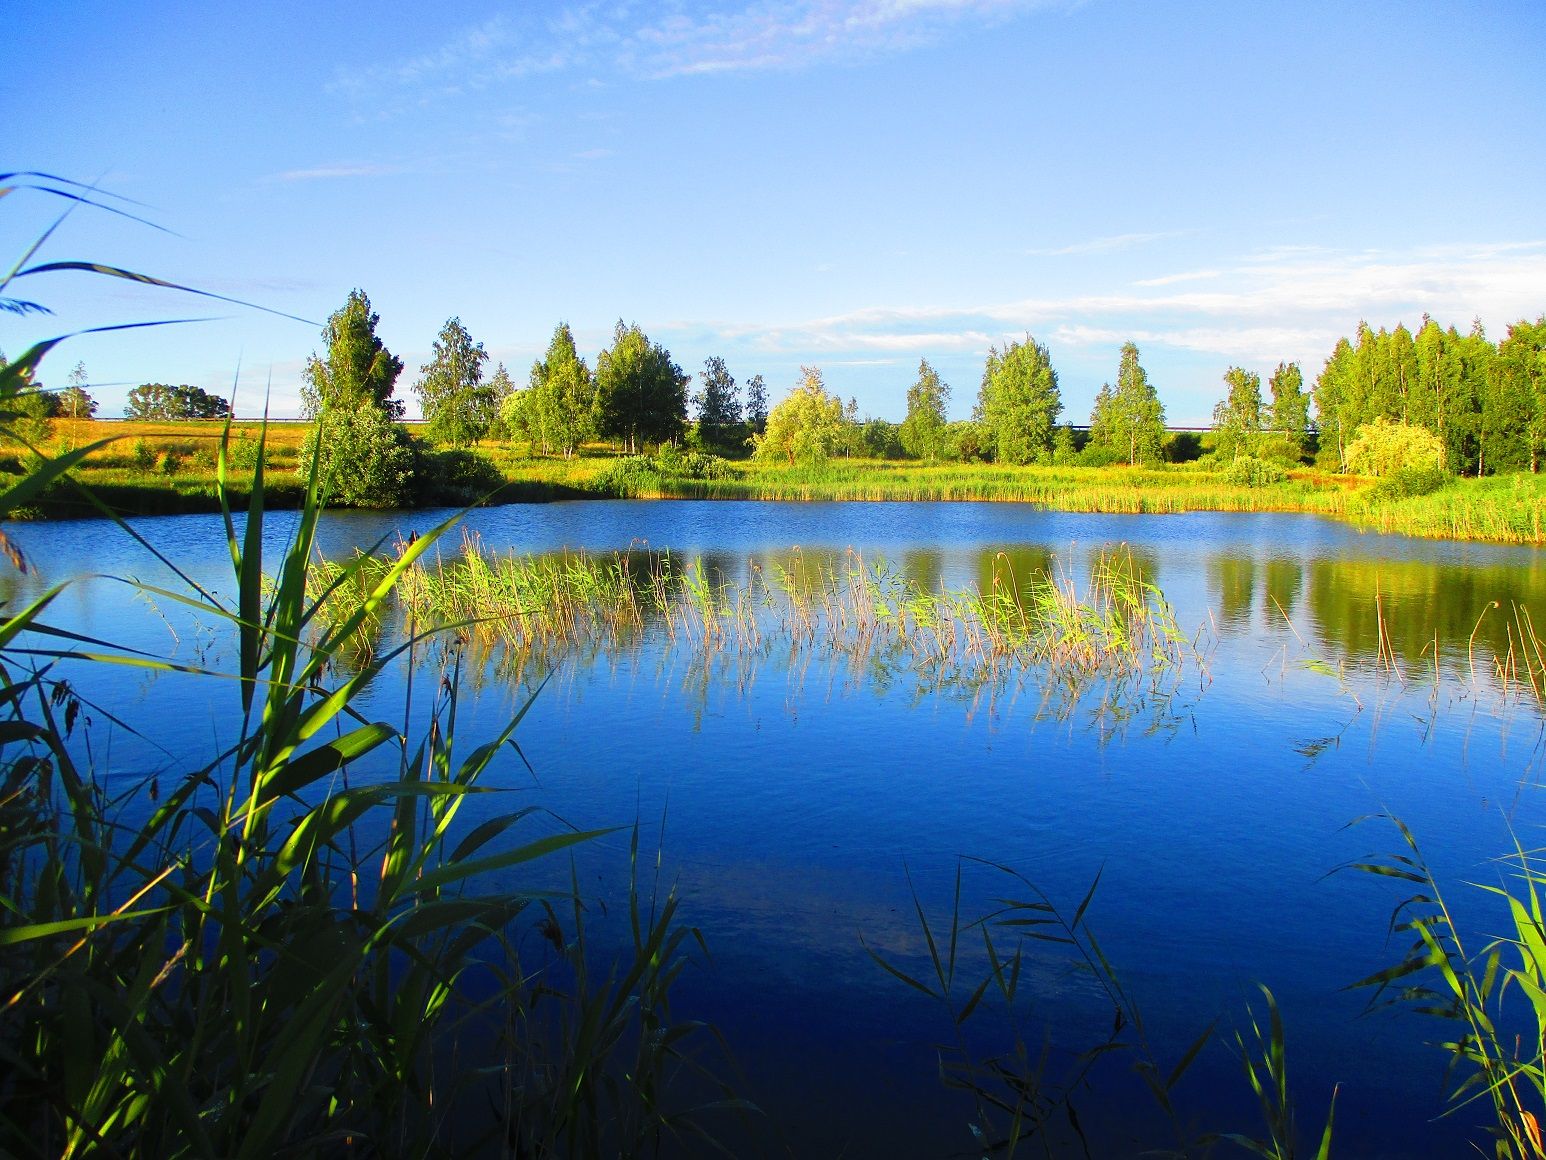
(1290, 416)
(74, 402)
(1237, 419)
(1129, 420)
(363, 458)
(807, 427)
(719, 411)
(457, 406)
(159, 401)
(756, 404)
(1019, 402)
(356, 367)
(500, 391)
(1514, 408)
(641, 394)
(923, 431)
(559, 412)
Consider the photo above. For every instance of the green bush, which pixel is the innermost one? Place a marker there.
(1384, 448)
(142, 455)
(1099, 455)
(458, 478)
(365, 459)
(1410, 482)
(1249, 471)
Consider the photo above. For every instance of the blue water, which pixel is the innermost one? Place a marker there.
(806, 796)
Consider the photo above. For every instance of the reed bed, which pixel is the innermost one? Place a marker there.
(1116, 624)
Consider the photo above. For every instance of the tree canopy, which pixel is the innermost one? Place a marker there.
(641, 395)
(1130, 420)
(356, 368)
(1238, 417)
(457, 406)
(923, 430)
(160, 401)
(1019, 402)
(557, 410)
(807, 427)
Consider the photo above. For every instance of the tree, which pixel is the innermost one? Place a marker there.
(1129, 420)
(558, 413)
(757, 404)
(457, 406)
(807, 427)
(1237, 419)
(718, 407)
(1514, 407)
(923, 431)
(1019, 402)
(357, 368)
(501, 389)
(1290, 407)
(73, 402)
(363, 458)
(1381, 447)
(158, 401)
(640, 393)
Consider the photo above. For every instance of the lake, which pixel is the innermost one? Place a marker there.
(802, 796)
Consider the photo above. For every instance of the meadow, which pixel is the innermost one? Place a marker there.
(153, 468)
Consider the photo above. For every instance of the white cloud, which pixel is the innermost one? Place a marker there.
(672, 39)
(1284, 304)
(1108, 244)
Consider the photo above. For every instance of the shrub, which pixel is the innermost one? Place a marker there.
(142, 455)
(1249, 471)
(365, 459)
(1407, 483)
(1099, 455)
(458, 478)
(1384, 448)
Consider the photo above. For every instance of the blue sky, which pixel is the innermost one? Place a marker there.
(854, 186)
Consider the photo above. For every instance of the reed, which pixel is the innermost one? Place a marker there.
(288, 948)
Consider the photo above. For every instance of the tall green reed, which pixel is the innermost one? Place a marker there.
(279, 952)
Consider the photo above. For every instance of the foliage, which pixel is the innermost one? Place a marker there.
(807, 427)
(641, 395)
(557, 410)
(881, 439)
(1250, 471)
(357, 369)
(922, 433)
(160, 401)
(1130, 419)
(1381, 447)
(74, 402)
(636, 476)
(455, 478)
(501, 390)
(1516, 395)
(719, 411)
(756, 404)
(362, 459)
(1290, 413)
(1019, 402)
(1237, 420)
(457, 406)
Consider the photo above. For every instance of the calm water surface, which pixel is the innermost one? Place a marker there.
(802, 790)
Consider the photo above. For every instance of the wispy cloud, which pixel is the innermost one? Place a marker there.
(1173, 279)
(1108, 244)
(1262, 308)
(336, 172)
(660, 40)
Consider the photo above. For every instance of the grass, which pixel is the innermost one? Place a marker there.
(169, 467)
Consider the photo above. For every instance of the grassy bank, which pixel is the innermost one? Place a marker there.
(158, 468)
